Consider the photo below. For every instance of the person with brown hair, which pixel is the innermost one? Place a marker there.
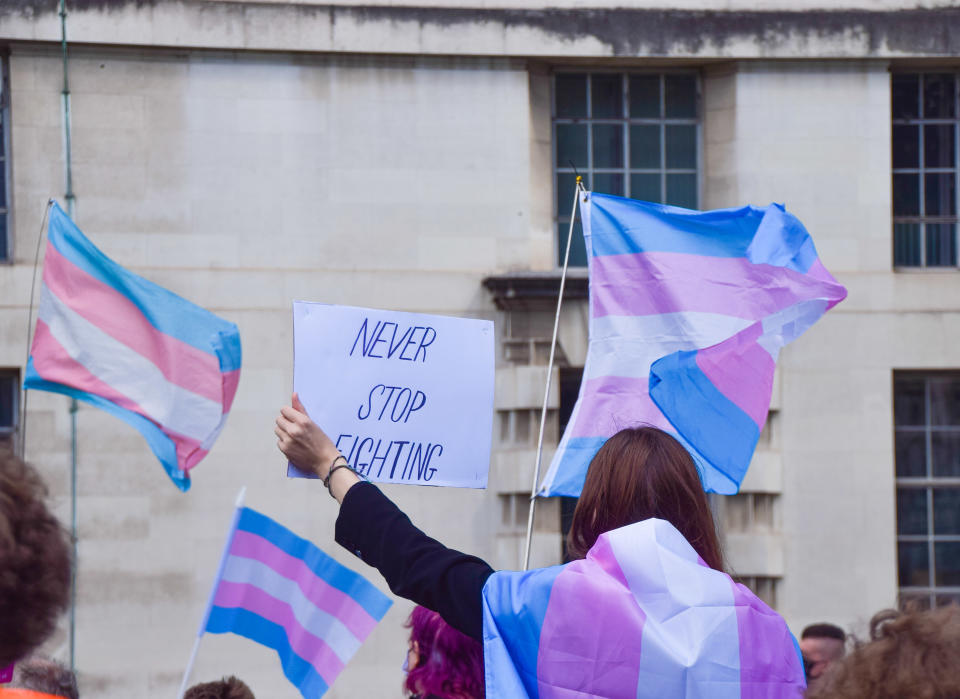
(640, 476)
(227, 688)
(45, 676)
(821, 645)
(34, 561)
(910, 654)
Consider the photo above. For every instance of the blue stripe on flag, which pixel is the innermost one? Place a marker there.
(577, 455)
(782, 241)
(366, 595)
(724, 434)
(161, 445)
(167, 312)
(515, 604)
(253, 626)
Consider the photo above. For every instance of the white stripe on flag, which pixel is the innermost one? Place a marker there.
(318, 622)
(128, 372)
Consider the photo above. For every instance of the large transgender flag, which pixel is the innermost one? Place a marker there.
(130, 347)
(688, 312)
(283, 592)
(642, 616)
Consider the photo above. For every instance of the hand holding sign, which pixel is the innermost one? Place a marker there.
(405, 397)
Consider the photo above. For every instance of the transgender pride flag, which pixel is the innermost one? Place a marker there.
(283, 592)
(688, 312)
(642, 616)
(113, 339)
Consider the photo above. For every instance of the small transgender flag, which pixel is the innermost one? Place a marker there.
(688, 312)
(641, 617)
(283, 592)
(130, 347)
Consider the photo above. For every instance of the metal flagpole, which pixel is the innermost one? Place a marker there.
(546, 391)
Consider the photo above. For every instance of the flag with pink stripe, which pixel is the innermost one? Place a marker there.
(280, 590)
(132, 348)
(641, 616)
(688, 312)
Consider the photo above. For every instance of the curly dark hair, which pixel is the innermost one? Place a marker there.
(911, 654)
(227, 688)
(34, 560)
(42, 674)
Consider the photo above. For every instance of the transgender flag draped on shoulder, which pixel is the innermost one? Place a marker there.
(688, 312)
(130, 347)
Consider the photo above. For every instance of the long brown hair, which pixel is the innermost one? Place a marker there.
(639, 473)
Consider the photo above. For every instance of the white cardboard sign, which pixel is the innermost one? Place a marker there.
(406, 397)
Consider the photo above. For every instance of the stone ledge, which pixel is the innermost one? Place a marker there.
(535, 291)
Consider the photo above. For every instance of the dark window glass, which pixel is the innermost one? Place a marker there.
(571, 95)
(906, 244)
(912, 510)
(572, 145)
(578, 249)
(938, 96)
(946, 511)
(681, 146)
(566, 183)
(644, 96)
(645, 146)
(906, 145)
(914, 564)
(939, 146)
(646, 188)
(607, 145)
(911, 454)
(945, 448)
(682, 191)
(906, 195)
(609, 183)
(947, 563)
(8, 401)
(680, 96)
(909, 401)
(3, 182)
(906, 96)
(940, 194)
(607, 96)
(941, 244)
(945, 401)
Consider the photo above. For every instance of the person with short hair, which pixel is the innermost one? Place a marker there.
(227, 688)
(441, 662)
(821, 645)
(34, 561)
(910, 654)
(44, 677)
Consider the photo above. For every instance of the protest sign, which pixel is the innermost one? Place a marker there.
(406, 397)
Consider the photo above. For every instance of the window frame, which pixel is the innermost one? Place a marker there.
(559, 217)
(921, 170)
(928, 482)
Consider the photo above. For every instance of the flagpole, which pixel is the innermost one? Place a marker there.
(546, 390)
(241, 497)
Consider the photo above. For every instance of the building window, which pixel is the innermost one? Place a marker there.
(924, 152)
(9, 403)
(630, 134)
(5, 182)
(927, 445)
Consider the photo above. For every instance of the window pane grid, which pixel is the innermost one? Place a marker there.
(926, 153)
(625, 155)
(928, 484)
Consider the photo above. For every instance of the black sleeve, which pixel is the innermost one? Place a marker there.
(415, 566)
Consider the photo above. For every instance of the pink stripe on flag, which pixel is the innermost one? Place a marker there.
(741, 370)
(326, 597)
(770, 666)
(312, 649)
(611, 403)
(731, 286)
(112, 312)
(53, 363)
(231, 380)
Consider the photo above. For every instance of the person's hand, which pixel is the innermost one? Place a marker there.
(302, 441)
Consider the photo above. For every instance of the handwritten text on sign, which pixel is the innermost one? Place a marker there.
(406, 397)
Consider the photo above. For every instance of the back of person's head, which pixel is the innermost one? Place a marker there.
(637, 474)
(34, 561)
(824, 630)
(911, 654)
(821, 645)
(227, 688)
(47, 676)
(450, 663)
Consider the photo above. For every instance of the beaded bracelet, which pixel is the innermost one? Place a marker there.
(334, 467)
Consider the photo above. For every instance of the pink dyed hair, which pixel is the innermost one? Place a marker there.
(451, 663)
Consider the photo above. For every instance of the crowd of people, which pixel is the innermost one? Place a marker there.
(637, 475)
